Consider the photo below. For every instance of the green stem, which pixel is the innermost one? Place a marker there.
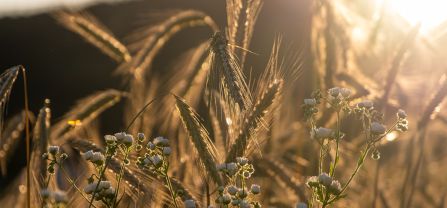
(101, 176)
(120, 176)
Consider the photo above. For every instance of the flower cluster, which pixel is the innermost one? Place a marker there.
(325, 189)
(53, 199)
(57, 198)
(156, 156)
(324, 184)
(103, 191)
(237, 192)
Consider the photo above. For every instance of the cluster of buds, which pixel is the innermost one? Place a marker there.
(324, 184)
(97, 158)
(339, 98)
(310, 105)
(402, 122)
(156, 156)
(57, 198)
(242, 167)
(238, 196)
(103, 190)
(54, 156)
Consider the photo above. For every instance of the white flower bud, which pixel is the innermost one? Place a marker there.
(323, 133)
(301, 205)
(232, 190)
(97, 158)
(109, 192)
(335, 187)
(161, 141)
(345, 92)
(242, 160)
(90, 188)
(128, 140)
(45, 193)
(244, 204)
(120, 136)
(226, 199)
(60, 197)
(334, 92)
(325, 179)
(255, 189)
(104, 185)
(190, 203)
(377, 128)
(167, 151)
(231, 167)
(401, 114)
(87, 155)
(150, 146)
(141, 137)
(310, 101)
(365, 104)
(156, 160)
(110, 139)
(53, 150)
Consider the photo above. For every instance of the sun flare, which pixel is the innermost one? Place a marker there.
(429, 13)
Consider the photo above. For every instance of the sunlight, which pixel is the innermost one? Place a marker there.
(430, 13)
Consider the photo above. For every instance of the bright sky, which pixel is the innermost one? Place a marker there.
(9, 8)
(430, 13)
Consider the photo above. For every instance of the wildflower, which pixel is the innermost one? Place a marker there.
(242, 193)
(335, 187)
(242, 160)
(60, 197)
(109, 192)
(221, 167)
(110, 139)
(310, 101)
(128, 140)
(377, 128)
(97, 158)
(231, 167)
(150, 146)
(87, 155)
(167, 151)
(232, 190)
(345, 92)
(141, 137)
(301, 205)
(45, 193)
(226, 199)
(161, 141)
(401, 114)
(156, 160)
(45, 156)
(365, 104)
(334, 92)
(90, 188)
(53, 150)
(312, 181)
(104, 185)
(189, 203)
(244, 204)
(255, 189)
(325, 179)
(322, 133)
(120, 136)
